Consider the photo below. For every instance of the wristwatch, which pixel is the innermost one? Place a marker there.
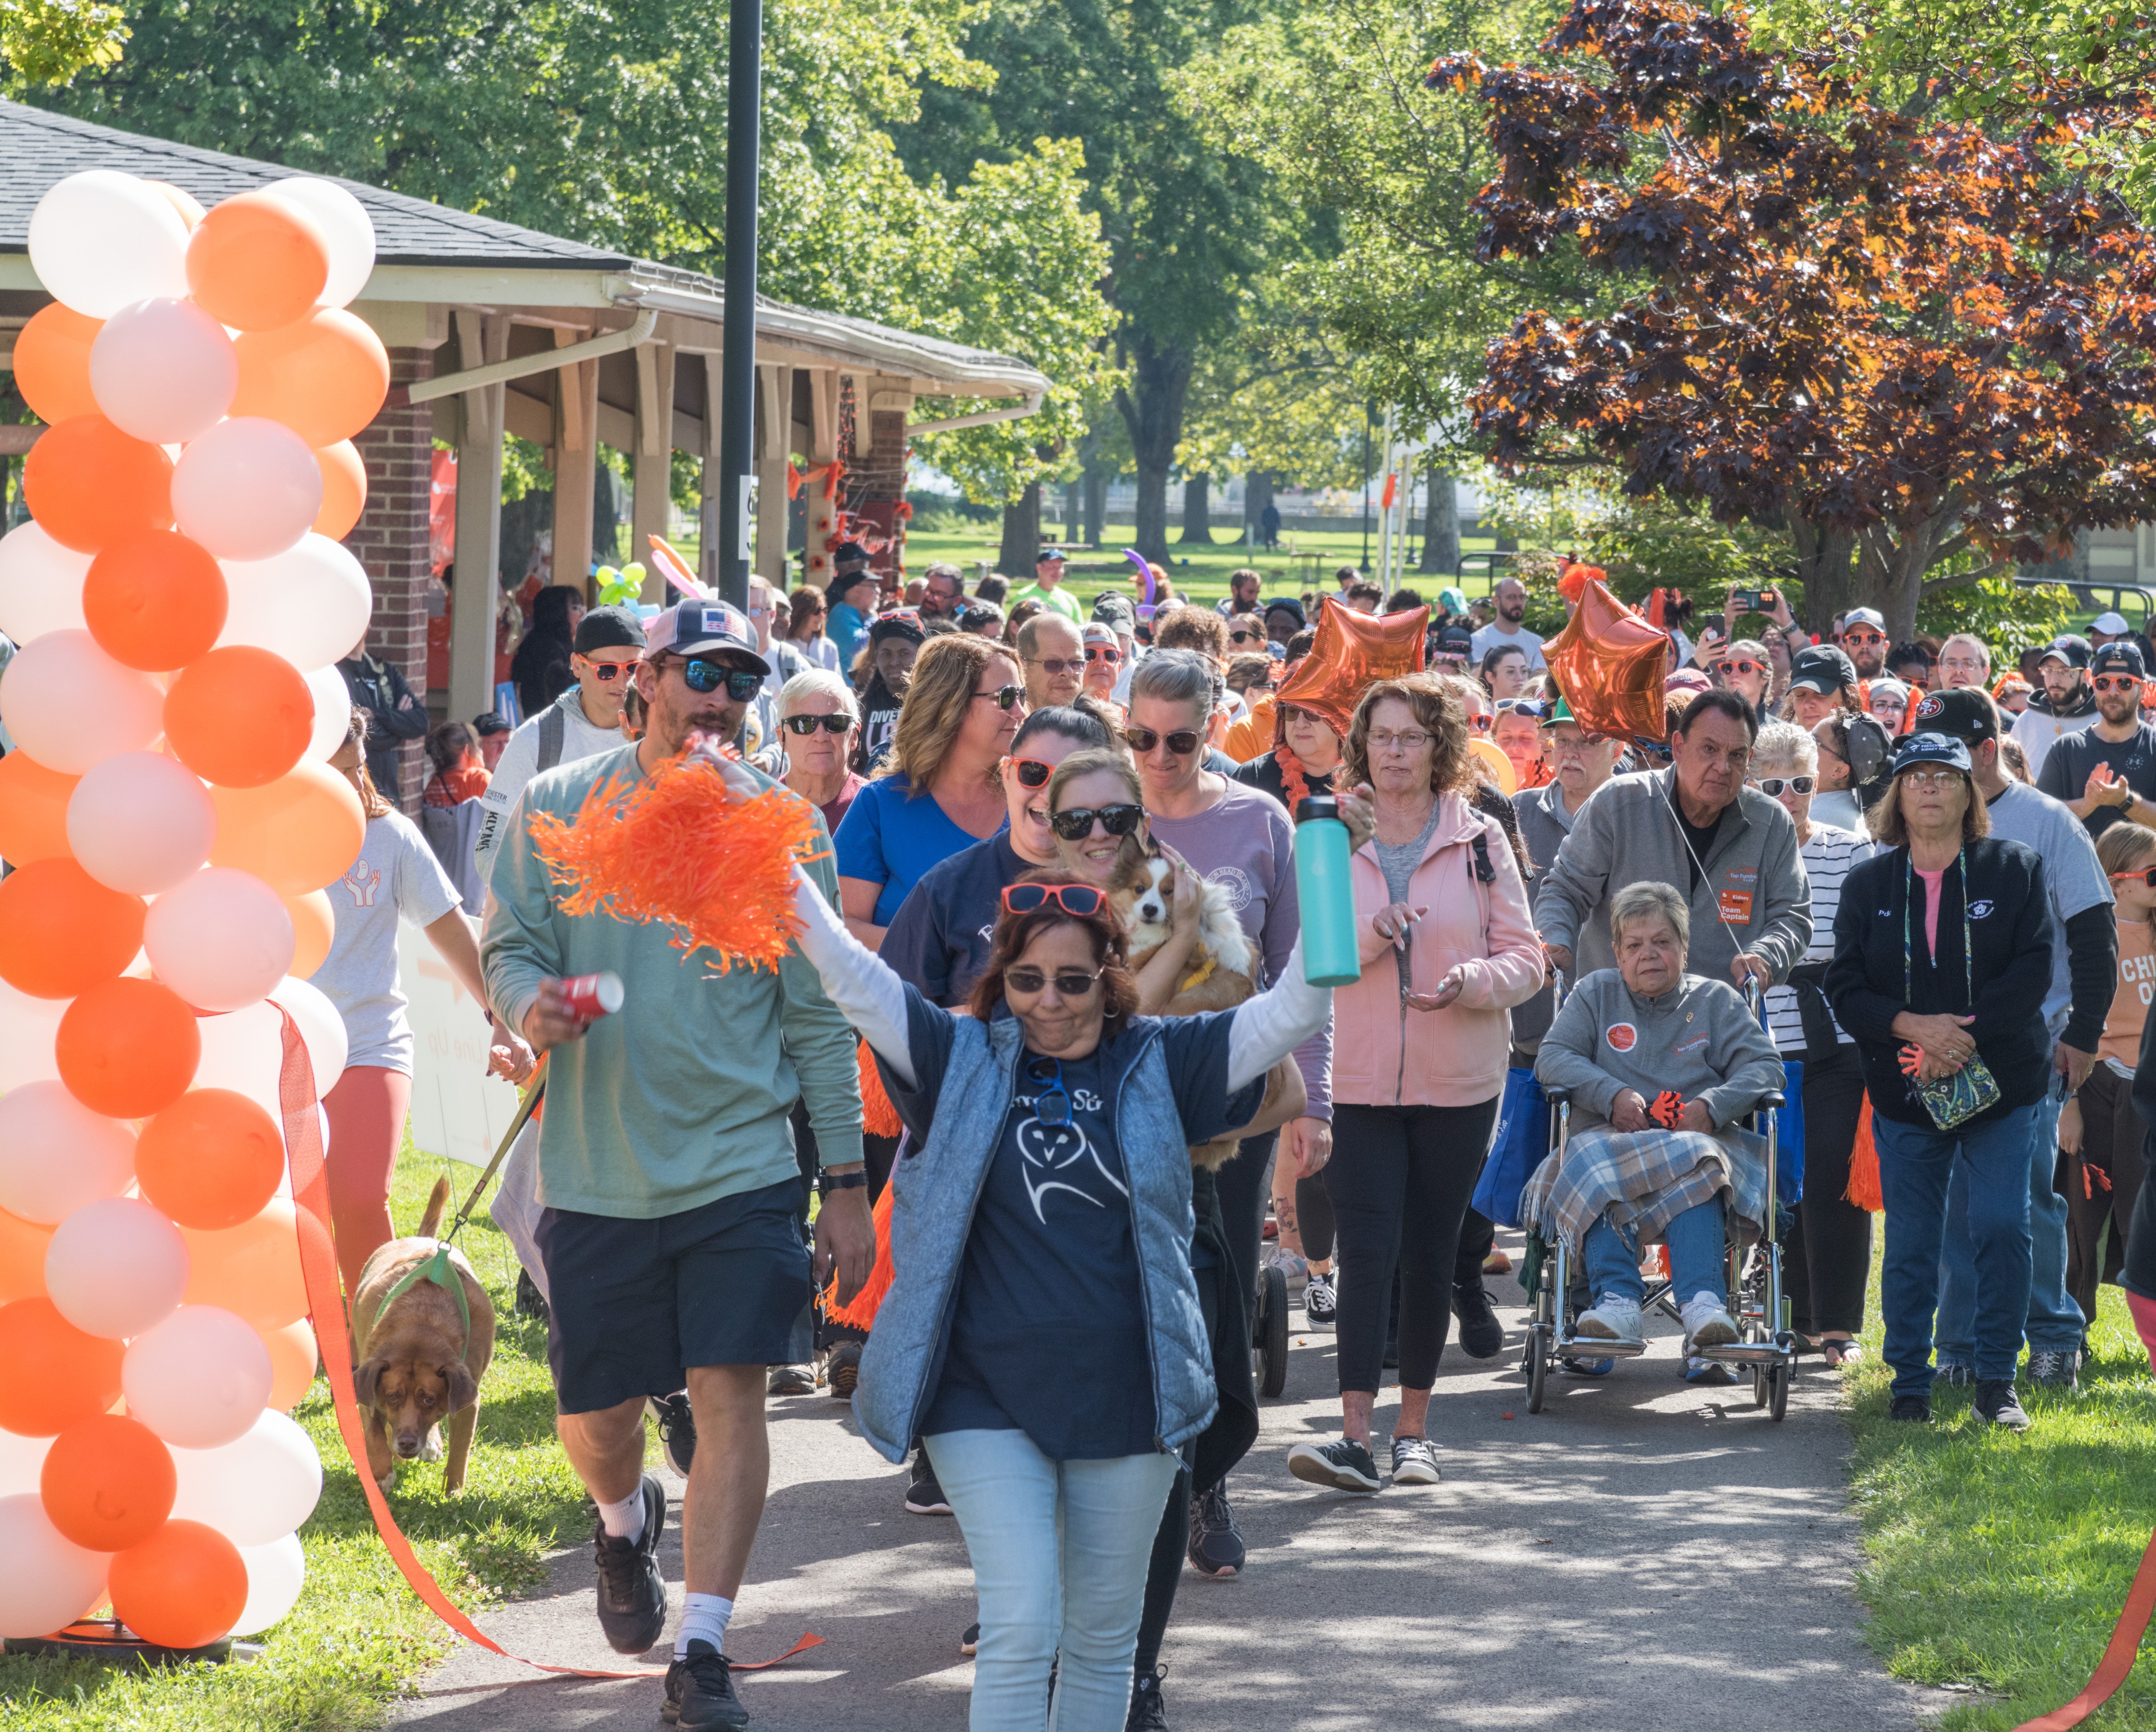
(827, 1183)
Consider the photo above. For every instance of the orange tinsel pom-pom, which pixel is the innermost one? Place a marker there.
(1863, 1187)
(859, 1311)
(879, 1117)
(680, 849)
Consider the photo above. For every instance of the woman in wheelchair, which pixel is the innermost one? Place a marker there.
(1661, 1067)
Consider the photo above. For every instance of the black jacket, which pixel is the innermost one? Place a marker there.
(395, 714)
(2010, 927)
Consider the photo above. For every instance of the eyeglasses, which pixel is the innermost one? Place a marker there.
(1057, 666)
(1581, 743)
(1747, 666)
(1181, 742)
(610, 671)
(1413, 739)
(1246, 637)
(1080, 900)
(1031, 772)
(707, 677)
(1003, 696)
(2115, 682)
(1077, 824)
(1773, 785)
(1933, 780)
(838, 722)
(1100, 652)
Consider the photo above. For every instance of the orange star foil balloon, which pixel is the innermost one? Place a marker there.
(1354, 651)
(1609, 664)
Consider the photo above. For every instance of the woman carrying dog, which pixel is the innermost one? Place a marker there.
(1419, 1050)
(1051, 1184)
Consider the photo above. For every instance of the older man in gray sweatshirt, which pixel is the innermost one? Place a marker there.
(1695, 825)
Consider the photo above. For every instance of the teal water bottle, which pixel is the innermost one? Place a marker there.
(1322, 883)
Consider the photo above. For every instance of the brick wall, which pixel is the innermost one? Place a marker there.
(880, 474)
(391, 541)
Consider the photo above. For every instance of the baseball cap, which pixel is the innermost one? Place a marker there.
(1115, 611)
(1455, 640)
(2123, 658)
(489, 724)
(1285, 604)
(609, 628)
(1098, 631)
(2111, 625)
(1689, 681)
(1046, 554)
(1864, 616)
(1823, 669)
(2072, 650)
(1961, 710)
(1560, 711)
(899, 623)
(1452, 599)
(849, 553)
(694, 628)
(1932, 748)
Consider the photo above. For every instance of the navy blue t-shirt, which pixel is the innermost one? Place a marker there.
(941, 937)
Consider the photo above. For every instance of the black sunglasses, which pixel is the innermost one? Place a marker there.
(1080, 900)
(838, 722)
(1076, 825)
(1181, 742)
(707, 677)
(1072, 984)
(1003, 696)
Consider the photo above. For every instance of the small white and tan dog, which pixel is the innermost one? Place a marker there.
(1224, 968)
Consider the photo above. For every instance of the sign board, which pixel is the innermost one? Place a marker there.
(457, 1109)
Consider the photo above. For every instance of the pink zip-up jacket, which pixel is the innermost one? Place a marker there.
(1387, 1055)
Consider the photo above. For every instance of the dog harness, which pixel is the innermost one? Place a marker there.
(1201, 977)
(443, 1273)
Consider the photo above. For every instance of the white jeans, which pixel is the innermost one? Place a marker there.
(1060, 1552)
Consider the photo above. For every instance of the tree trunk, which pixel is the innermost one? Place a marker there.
(1152, 408)
(1824, 564)
(1440, 526)
(1074, 529)
(1198, 510)
(1096, 504)
(1257, 495)
(1021, 536)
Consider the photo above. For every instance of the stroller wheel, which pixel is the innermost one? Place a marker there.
(1537, 1367)
(1269, 1337)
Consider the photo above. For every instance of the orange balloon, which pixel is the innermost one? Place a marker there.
(89, 483)
(292, 1358)
(211, 1159)
(22, 1258)
(128, 1047)
(155, 600)
(1353, 652)
(255, 263)
(57, 1375)
(184, 1586)
(324, 377)
(33, 809)
(109, 1483)
(52, 364)
(189, 207)
(62, 932)
(252, 1270)
(344, 489)
(239, 716)
(314, 922)
(297, 833)
(1609, 663)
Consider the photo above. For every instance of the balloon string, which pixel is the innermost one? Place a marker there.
(326, 1306)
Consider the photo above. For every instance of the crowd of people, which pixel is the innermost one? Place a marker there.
(1055, 829)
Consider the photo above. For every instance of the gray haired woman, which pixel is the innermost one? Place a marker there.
(818, 717)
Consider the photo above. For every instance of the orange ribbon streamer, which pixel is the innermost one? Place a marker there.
(2118, 1654)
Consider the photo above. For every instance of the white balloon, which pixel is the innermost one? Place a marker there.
(248, 488)
(21, 1462)
(70, 705)
(310, 604)
(28, 1026)
(57, 1156)
(50, 1581)
(343, 221)
(332, 712)
(276, 1573)
(221, 940)
(101, 239)
(163, 371)
(40, 584)
(255, 1487)
(116, 1268)
(244, 1053)
(321, 1026)
(199, 1378)
(141, 822)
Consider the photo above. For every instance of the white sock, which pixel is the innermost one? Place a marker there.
(624, 1520)
(704, 1618)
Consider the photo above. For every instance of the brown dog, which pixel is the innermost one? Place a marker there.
(418, 1365)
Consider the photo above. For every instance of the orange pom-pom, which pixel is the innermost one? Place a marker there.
(859, 1311)
(1863, 1187)
(879, 1117)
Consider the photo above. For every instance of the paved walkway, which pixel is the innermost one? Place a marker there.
(1638, 1555)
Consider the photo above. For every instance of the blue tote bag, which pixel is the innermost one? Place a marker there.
(1519, 1146)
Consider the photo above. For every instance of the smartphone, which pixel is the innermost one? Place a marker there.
(1747, 601)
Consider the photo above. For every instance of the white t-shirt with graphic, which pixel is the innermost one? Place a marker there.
(395, 875)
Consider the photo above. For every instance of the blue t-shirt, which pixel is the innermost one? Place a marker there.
(942, 934)
(844, 628)
(889, 840)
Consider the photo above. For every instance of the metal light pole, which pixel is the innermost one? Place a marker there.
(738, 387)
(1366, 490)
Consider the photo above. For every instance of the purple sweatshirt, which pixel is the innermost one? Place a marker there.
(1246, 846)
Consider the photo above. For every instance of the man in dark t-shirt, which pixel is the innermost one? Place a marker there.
(2107, 773)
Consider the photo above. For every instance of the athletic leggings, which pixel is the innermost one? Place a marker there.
(1827, 1258)
(1399, 1180)
(2103, 1185)
(1244, 1185)
(367, 1113)
(1313, 1216)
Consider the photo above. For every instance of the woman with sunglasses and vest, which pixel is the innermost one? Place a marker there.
(1044, 1331)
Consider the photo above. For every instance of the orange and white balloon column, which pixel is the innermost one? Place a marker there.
(180, 600)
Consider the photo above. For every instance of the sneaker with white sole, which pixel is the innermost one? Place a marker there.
(1415, 1462)
(1705, 1323)
(1321, 1306)
(1712, 1373)
(1344, 1465)
(1613, 1319)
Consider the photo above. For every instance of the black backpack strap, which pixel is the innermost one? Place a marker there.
(554, 729)
(1484, 871)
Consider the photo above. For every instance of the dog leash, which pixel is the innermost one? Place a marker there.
(525, 1108)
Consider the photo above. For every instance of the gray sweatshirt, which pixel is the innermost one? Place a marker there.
(1627, 833)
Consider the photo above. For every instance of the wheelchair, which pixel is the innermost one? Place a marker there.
(1765, 1343)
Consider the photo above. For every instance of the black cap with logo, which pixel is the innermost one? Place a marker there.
(1965, 712)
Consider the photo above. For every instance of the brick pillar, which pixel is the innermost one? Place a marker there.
(391, 541)
(879, 472)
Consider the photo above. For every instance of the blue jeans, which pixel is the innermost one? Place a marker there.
(2055, 1321)
(1916, 1165)
(1696, 1263)
(1060, 1552)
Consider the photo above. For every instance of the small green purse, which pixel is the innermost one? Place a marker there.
(1954, 1100)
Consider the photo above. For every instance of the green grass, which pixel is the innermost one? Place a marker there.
(358, 1635)
(2001, 1562)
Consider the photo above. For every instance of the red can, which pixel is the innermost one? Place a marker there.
(592, 996)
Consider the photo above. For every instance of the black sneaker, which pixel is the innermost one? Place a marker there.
(842, 1371)
(969, 1644)
(677, 1429)
(1481, 1336)
(530, 1301)
(790, 1381)
(631, 1595)
(2056, 1371)
(700, 1690)
(1216, 1549)
(1147, 1713)
(1997, 1404)
(1911, 1410)
(1320, 1305)
(1343, 1465)
(923, 1495)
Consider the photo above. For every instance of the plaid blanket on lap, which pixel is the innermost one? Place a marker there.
(1643, 1181)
